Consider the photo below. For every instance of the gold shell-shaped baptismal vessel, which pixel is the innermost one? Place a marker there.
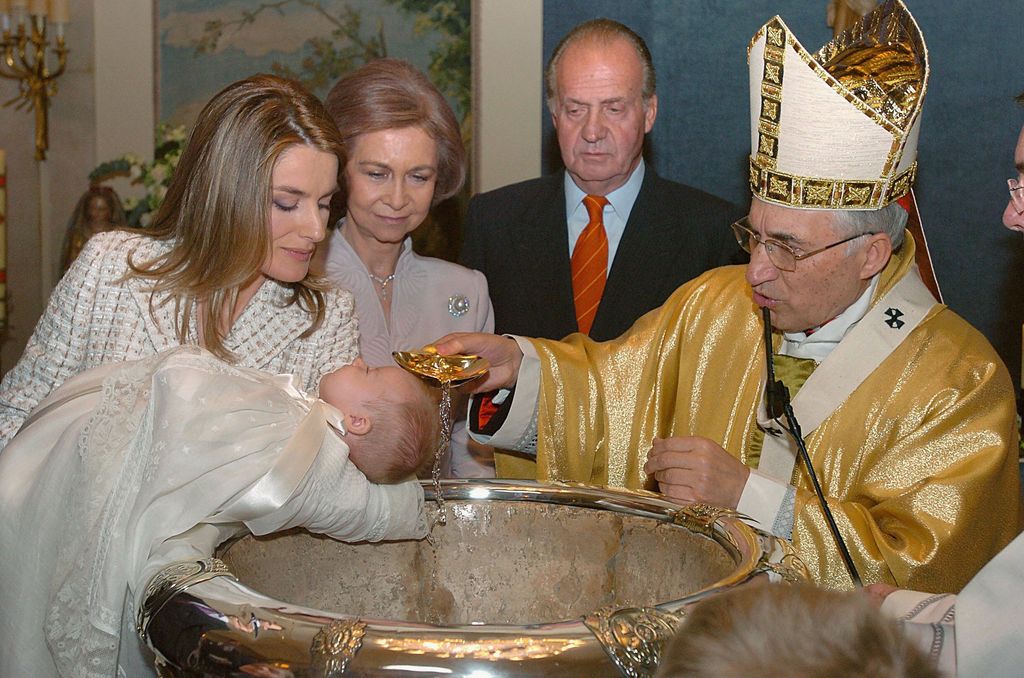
(454, 370)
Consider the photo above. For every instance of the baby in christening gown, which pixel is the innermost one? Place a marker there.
(130, 467)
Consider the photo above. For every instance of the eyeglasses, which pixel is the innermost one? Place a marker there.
(1016, 195)
(779, 253)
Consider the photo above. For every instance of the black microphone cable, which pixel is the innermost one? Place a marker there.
(777, 404)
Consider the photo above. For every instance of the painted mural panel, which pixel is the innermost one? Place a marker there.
(207, 44)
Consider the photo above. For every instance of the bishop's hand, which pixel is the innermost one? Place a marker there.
(502, 353)
(694, 469)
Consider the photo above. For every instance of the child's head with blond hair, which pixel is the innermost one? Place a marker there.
(775, 630)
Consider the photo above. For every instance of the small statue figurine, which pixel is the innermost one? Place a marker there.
(841, 14)
(99, 209)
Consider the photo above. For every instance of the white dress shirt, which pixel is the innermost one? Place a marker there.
(616, 212)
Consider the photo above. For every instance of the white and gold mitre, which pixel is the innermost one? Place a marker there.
(837, 129)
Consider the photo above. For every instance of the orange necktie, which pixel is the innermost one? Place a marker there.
(590, 264)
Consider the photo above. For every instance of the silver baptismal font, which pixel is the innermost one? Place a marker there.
(525, 579)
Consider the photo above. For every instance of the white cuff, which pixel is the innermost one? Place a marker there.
(928, 621)
(919, 607)
(522, 412)
(762, 501)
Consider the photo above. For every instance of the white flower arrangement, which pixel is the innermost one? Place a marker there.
(153, 176)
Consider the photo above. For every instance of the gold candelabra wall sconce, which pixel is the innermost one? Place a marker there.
(27, 53)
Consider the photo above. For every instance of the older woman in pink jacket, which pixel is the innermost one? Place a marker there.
(405, 155)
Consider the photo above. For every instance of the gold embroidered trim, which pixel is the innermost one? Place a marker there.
(771, 92)
(896, 27)
(895, 56)
(770, 185)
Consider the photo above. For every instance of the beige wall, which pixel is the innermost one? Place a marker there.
(104, 107)
(125, 69)
(42, 195)
(507, 65)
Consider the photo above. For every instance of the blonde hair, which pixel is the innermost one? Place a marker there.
(217, 209)
(404, 436)
(392, 94)
(773, 629)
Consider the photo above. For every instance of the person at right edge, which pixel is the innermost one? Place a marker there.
(907, 411)
(978, 632)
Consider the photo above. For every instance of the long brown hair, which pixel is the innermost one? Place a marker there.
(391, 94)
(217, 209)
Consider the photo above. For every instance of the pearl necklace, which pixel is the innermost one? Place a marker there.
(382, 283)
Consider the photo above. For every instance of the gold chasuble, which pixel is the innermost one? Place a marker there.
(918, 463)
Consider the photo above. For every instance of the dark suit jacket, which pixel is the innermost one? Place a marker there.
(518, 237)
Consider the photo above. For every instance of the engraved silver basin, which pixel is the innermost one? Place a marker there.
(525, 579)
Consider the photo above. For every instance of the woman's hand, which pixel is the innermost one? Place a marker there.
(502, 353)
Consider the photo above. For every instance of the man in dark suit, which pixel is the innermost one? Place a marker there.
(644, 235)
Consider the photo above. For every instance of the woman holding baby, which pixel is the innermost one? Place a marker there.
(225, 265)
(140, 452)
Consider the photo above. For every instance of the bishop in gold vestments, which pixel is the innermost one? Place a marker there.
(907, 412)
(918, 463)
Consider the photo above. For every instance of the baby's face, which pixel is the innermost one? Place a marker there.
(349, 387)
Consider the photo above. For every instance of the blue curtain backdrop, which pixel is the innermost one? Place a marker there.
(969, 127)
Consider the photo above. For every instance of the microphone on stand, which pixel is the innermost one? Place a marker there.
(776, 395)
(776, 400)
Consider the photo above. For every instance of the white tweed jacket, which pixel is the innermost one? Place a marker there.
(96, 316)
